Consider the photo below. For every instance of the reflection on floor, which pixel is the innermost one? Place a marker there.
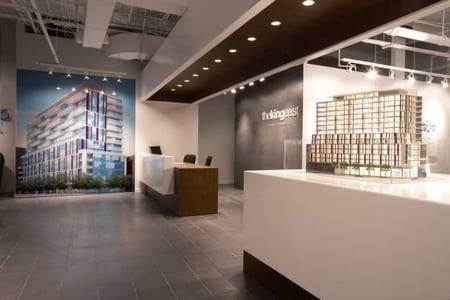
(121, 246)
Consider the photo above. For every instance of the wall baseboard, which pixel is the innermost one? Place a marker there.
(7, 195)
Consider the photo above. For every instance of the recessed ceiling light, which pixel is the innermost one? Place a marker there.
(195, 75)
(308, 2)
(275, 23)
(242, 87)
(179, 85)
(251, 39)
(262, 79)
(233, 91)
(251, 83)
(173, 90)
(217, 60)
(187, 80)
(232, 50)
(205, 68)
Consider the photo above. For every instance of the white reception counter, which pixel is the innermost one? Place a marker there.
(156, 171)
(347, 238)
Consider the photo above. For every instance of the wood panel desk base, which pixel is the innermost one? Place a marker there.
(195, 191)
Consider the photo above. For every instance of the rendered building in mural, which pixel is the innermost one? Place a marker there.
(79, 133)
(369, 133)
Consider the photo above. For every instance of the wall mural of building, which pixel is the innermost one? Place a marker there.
(83, 126)
(371, 133)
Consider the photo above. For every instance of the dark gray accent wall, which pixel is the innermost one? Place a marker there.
(260, 144)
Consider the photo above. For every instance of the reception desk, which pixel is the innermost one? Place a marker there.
(185, 189)
(343, 238)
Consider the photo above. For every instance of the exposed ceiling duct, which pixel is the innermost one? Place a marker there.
(98, 17)
(129, 46)
(419, 36)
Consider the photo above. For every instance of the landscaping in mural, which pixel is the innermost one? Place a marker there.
(73, 134)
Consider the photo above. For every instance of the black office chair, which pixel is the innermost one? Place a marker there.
(208, 160)
(155, 150)
(190, 158)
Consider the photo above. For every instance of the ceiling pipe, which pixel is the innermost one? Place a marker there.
(388, 67)
(419, 36)
(44, 29)
(386, 45)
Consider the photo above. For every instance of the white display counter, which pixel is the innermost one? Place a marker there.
(343, 238)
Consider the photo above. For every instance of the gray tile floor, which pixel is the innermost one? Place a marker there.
(121, 246)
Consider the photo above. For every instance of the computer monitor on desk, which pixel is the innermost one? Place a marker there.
(155, 150)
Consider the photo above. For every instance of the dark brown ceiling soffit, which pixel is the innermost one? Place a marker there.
(302, 33)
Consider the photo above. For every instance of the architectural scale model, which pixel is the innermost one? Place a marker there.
(369, 134)
(79, 133)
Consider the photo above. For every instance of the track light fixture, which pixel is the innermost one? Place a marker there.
(372, 73)
(86, 77)
(444, 83)
(105, 79)
(351, 68)
(69, 69)
(392, 73)
(411, 78)
(429, 79)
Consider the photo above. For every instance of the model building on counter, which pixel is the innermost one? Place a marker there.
(369, 134)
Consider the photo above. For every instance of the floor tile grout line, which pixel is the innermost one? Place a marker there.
(168, 284)
(11, 252)
(66, 265)
(129, 275)
(29, 275)
(198, 277)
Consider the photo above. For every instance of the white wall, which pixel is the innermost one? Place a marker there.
(321, 83)
(172, 126)
(8, 100)
(216, 135)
